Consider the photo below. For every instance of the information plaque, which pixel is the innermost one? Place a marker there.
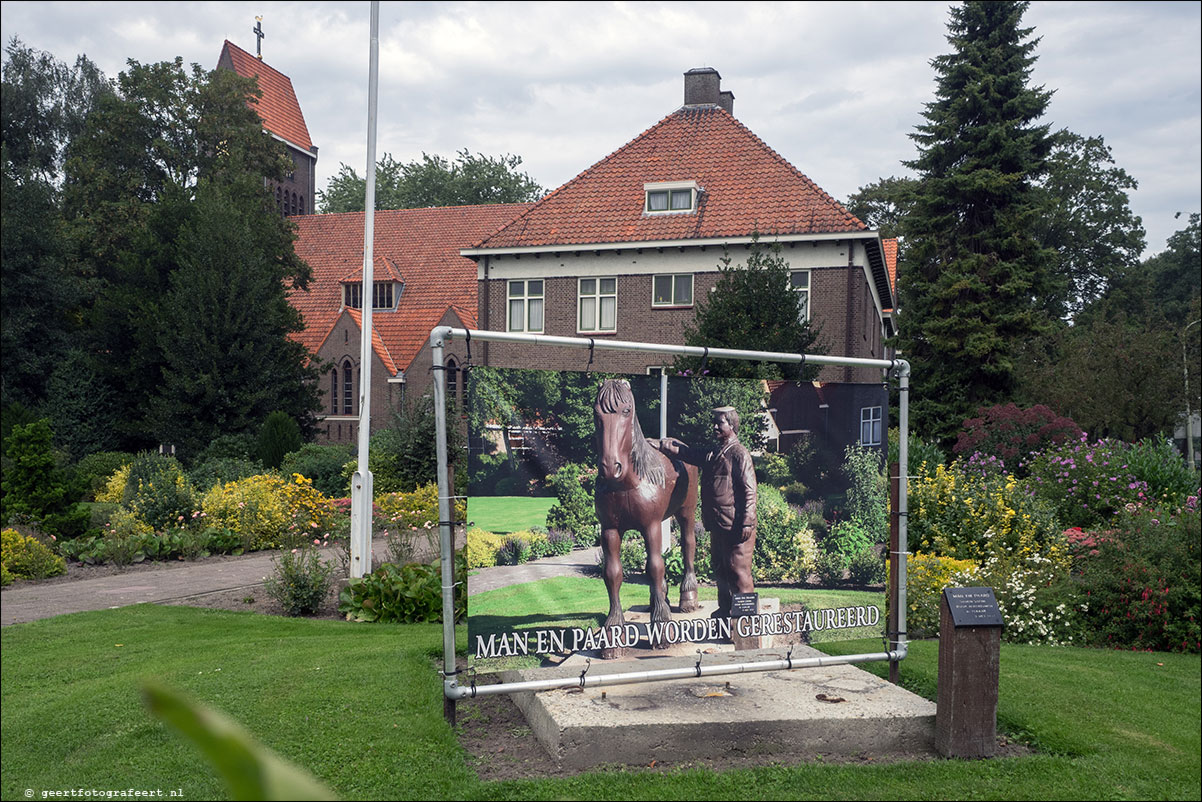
(973, 607)
(742, 604)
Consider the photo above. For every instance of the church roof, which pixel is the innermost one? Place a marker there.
(278, 107)
(417, 246)
(744, 185)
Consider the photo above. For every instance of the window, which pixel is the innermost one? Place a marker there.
(334, 391)
(348, 389)
(870, 426)
(452, 379)
(526, 305)
(670, 196)
(672, 290)
(598, 304)
(799, 280)
(381, 295)
(384, 295)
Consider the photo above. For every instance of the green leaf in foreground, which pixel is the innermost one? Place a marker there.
(249, 769)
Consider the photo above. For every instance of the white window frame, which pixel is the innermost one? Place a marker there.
(672, 193)
(871, 417)
(598, 296)
(528, 301)
(671, 303)
(804, 293)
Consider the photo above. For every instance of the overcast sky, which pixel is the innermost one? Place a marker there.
(834, 87)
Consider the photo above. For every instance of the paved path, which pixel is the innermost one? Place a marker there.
(174, 581)
(581, 561)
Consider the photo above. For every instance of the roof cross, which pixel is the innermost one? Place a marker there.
(259, 37)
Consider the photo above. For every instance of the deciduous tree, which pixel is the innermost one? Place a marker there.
(469, 180)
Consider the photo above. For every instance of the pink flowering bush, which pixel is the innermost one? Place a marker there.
(1142, 580)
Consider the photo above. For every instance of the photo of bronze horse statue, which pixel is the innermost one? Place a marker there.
(638, 488)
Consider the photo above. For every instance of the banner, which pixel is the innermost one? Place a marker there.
(613, 519)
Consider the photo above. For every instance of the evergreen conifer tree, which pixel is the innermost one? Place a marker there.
(973, 274)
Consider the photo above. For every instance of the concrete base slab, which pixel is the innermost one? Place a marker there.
(832, 710)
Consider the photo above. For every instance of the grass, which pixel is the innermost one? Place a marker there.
(360, 707)
(505, 514)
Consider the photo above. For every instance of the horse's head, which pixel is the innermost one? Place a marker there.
(622, 453)
(615, 421)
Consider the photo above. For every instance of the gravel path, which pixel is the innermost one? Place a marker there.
(171, 582)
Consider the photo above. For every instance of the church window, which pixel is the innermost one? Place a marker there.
(334, 391)
(348, 389)
(452, 379)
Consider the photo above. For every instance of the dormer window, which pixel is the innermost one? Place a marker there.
(671, 197)
(384, 295)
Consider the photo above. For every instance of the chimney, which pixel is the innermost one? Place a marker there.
(702, 87)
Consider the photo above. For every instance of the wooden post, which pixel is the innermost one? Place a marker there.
(891, 594)
(969, 662)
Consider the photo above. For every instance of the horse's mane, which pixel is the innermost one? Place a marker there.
(612, 397)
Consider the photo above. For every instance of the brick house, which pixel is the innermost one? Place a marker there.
(420, 281)
(628, 247)
(281, 114)
(624, 250)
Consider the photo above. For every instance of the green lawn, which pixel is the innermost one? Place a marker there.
(360, 706)
(503, 514)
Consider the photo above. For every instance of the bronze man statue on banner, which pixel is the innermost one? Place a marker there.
(728, 495)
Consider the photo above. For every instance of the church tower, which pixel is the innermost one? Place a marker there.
(282, 118)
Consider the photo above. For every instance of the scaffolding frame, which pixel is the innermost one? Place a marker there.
(896, 644)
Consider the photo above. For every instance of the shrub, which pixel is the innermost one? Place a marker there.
(559, 543)
(94, 470)
(847, 539)
(514, 551)
(482, 548)
(1156, 462)
(402, 594)
(321, 465)
(1143, 580)
(415, 509)
(219, 470)
(229, 446)
(926, 577)
(795, 493)
(1087, 483)
(35, 487)
(113, 489)
(157, 491)
(1010, 433)
(267, 511)
(830, 566)
(126, 539)
(300, 580)
(773, 469)
(785, 550)
(279, 436)
(866, 568)
(867, 492)
(922, 456)
(574, 510)
(955, 513)
(633, 554)
(1035, 594)
(28, 558)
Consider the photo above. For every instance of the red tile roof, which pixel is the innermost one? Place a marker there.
(420, 246)
(278, 107)
(890, 247)
(746, 186)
